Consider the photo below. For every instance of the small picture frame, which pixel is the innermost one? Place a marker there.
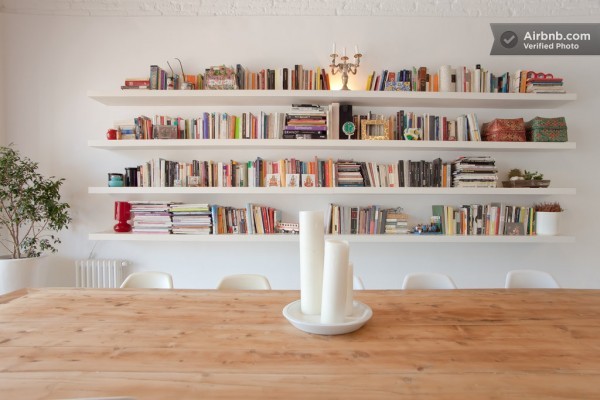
(292, 180)
(514, 229)
(375, 129)
(273, 180)
(308, 180)
(126, 132)
(165, 131)
(193, 181)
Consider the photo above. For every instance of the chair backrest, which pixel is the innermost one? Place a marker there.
(530, 279)
(427, 280)
(148, 279)
(244, 282)
(357, 283)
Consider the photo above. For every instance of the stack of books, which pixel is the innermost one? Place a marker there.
(151, 217)
(136, 83)
(477, 171)
(348, 173)
(191, 219)
(396, 221)
(305, 121)
(544, 83)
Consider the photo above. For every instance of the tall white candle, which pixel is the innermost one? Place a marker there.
(344, 52)
(350, 290)
(356, 50)
(445, 79)
(312, 243)
(335, 282)
(333, 50)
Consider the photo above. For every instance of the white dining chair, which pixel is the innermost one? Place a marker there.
(357, 283)
(244, 282)
(530, 279)
(149, 280)
(427, 280)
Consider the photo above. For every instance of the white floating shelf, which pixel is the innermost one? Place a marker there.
(332, 191)
(356, 98)
(214, 144)
(110, 236)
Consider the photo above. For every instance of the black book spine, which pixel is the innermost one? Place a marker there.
(285, 79)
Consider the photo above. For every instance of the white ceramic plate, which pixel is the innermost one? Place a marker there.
(312, 323)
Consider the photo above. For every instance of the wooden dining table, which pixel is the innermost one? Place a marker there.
(204, 344)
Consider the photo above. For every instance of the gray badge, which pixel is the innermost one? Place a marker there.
(546, 39)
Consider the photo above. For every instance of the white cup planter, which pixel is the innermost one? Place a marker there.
(546, 223)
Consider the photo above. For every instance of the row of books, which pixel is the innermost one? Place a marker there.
(474, 171)
(296, 78)
(408, 125)
(221, 77)
(257, 173)
(159, 217)
(484, 219)
(444, 79)
(460, 79)
(312, 122)
(213, 125)
(369, 220)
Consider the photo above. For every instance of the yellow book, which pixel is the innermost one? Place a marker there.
(369, 80)
(317, 80)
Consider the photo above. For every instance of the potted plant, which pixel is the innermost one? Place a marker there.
(518, 178)
(31, 214)
(547, 218)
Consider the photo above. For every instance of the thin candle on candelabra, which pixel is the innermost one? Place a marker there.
(345, 67)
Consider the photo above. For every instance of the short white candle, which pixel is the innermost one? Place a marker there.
(350, 290)
(335, 282)
(356, 50)
(312, 243)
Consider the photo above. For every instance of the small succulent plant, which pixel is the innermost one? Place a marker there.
(516, 174)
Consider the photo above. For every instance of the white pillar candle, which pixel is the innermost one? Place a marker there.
(445, 79)
(350, 290)
(335, 282)
(312, 243)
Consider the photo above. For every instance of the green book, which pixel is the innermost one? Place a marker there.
(437, 211)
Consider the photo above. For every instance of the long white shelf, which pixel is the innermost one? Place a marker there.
(214, 144)
(356, 98)
(110, 236)
(331, 191)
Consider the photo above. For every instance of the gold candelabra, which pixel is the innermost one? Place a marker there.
(344, 66)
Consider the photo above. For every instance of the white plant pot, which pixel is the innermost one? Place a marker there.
(19, 273)
(546, 223)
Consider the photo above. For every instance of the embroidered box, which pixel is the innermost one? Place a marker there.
(504, 130)
(546, 130)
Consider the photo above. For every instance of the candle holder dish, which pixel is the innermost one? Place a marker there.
(361, 313)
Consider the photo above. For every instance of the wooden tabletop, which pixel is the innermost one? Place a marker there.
(188, 344)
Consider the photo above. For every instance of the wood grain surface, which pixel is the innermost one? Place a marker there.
(189, 344)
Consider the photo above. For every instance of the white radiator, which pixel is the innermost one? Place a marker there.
(99, 273)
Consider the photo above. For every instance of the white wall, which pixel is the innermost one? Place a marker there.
(2, 79)
(52, 61)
